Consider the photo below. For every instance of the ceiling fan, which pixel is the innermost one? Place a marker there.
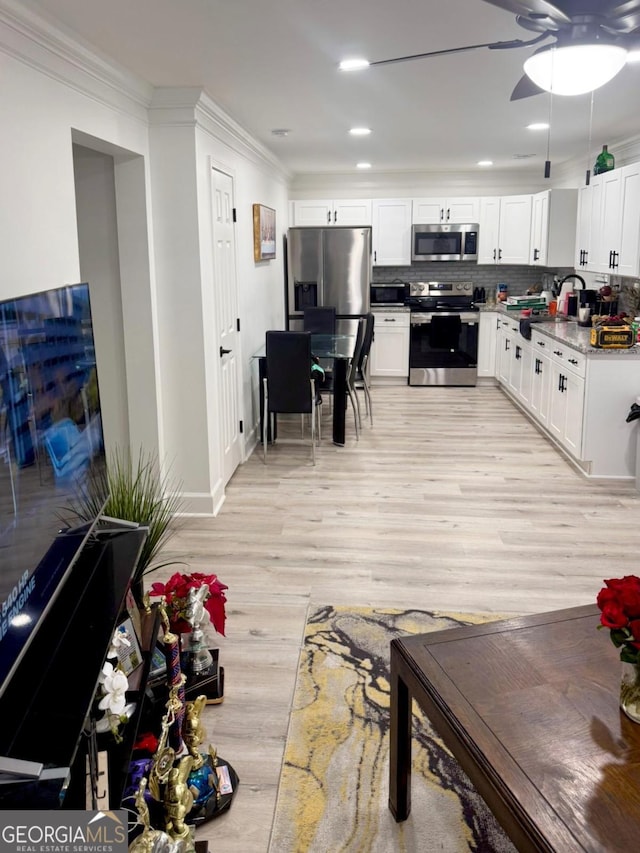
(577, 27)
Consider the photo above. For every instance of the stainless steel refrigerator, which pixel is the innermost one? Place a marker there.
(329, 267)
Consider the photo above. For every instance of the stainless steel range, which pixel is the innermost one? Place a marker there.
(443, 348)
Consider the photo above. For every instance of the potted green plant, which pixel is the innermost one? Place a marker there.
(134, 490)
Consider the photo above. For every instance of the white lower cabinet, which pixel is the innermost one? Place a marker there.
(540, 378)
(390, 348)
(566, 402)
(579, 399)
(487, 343)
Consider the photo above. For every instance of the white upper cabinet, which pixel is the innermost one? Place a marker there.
(427, 211)
(608, 229)
(350, 211)
(391, 232)
(505, 229)
(553, 225)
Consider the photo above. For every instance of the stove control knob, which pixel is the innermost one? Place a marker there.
(459, 286)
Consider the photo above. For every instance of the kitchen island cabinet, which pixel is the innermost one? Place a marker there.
(579, 396)
(389, 358)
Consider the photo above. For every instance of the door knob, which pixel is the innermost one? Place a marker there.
(224, 351)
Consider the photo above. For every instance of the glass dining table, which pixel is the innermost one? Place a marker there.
(339, 349)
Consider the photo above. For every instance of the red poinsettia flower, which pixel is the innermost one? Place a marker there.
(176, 595)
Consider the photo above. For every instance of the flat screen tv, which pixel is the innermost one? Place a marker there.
(50, 439)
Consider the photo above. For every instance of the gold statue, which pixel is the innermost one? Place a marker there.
(193, 732)
(178, 799)
(152, 840)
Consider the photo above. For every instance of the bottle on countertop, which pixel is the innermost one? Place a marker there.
(605, 161)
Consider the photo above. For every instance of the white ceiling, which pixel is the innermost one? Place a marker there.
(273, 64)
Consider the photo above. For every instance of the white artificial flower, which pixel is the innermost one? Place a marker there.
(115, 685)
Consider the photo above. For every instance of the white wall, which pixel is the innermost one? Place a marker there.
(53, 93)
(100, 265)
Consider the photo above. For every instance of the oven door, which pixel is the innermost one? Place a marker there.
(443, 348)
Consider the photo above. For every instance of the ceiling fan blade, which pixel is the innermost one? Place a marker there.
(535, 26)
(525, 88)
(532, 8)
(491, 45)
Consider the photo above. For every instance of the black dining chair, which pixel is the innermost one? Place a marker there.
(361, 383)
(328, 384)
(319, 320)
(288, 387)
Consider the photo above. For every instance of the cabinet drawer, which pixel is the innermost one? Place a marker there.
(391, 319)
(570, 359)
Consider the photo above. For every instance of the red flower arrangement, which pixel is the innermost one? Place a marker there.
(619, 603)
(176, 595)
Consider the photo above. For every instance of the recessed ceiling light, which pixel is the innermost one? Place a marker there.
(363, 165)
(538, 125)
(281, 131)
(360, 131)
(353, 64)
(485, 162)
(523, 156)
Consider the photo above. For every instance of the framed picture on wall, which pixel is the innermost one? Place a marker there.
(264, 233)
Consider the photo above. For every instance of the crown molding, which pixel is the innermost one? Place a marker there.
(184, 106)
(46, 47)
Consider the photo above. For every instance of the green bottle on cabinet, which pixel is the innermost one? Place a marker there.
(604, 162)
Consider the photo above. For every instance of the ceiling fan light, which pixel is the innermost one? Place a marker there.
(575, 69)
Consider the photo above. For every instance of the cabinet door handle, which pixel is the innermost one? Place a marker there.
(390, 319)
(557, 352)
(499, 254)
(616, 255)
(441, 214)
(586, 257)
(494, 254)
(335, 215)
(507, 344)
(536, 254)
(610, 259)
(328, 217)
(375, 256)
(518, 351)
(540, 343)
(448, 214)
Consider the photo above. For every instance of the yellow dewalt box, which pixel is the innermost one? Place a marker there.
(612, 337)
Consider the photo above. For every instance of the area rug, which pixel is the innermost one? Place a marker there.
(334, 785)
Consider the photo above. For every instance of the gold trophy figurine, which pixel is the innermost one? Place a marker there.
(178, 801)
(152, 840)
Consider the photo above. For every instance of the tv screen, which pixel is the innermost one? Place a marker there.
(50, 439)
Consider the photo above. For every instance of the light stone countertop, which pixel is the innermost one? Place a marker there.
(567, 332)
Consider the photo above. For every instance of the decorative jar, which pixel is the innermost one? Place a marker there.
(630, 690)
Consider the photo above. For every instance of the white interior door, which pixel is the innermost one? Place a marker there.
(224, 277)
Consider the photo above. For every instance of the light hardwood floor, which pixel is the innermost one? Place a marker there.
(452, 501)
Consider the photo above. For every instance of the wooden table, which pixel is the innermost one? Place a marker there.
(529, 707)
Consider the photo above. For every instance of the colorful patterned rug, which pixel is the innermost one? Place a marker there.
(334, 785)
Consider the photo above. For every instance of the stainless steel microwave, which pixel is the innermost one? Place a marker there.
(444, 242)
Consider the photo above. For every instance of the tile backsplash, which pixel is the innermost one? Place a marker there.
(518, 278)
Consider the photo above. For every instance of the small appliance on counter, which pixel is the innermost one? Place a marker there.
(389, 293)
